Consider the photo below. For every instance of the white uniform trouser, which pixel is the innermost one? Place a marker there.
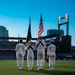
(40, 59)
(52, 61)
(30, 59)
(20, 59)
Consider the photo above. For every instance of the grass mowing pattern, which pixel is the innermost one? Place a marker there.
(62, 67)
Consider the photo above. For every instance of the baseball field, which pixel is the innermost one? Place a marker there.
(62, 67)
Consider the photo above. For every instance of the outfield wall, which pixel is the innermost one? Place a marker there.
(11, 55)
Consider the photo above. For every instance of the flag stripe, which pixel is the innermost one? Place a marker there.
(41, 29)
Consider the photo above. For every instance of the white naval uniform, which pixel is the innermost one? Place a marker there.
(30, 56)
(40, 53)
(20, 52)
(52, 55)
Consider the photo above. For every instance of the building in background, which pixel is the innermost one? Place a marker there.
(55, 31)
(3, 33)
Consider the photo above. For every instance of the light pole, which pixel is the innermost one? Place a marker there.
(66, 18)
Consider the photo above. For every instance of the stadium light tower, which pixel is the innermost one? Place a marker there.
(66, 21)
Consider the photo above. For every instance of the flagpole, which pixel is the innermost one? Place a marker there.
(18, 37)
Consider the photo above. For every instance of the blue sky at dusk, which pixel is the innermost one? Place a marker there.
(14, 15)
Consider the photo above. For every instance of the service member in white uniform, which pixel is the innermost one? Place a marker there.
(30, 56)
(52, 55)
(20, 52)
(40, 46)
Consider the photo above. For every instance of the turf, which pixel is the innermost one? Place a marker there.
(62, 67)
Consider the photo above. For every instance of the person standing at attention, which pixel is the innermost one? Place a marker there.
(52, 55)
(40, 46)
(30, 55)
(20, 52)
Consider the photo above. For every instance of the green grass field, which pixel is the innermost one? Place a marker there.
(62, 67)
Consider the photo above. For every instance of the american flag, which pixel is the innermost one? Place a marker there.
(41, 28)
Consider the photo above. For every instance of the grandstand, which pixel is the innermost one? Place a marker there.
(7, 48)
(7, 51)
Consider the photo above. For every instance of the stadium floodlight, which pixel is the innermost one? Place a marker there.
(66, 18)
(59, 20)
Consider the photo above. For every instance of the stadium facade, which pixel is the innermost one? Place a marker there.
(55, 31)
(7, 48)
(3, 33)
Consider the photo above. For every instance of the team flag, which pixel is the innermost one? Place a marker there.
(29, 36)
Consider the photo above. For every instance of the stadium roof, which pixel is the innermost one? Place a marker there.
(16, 38)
